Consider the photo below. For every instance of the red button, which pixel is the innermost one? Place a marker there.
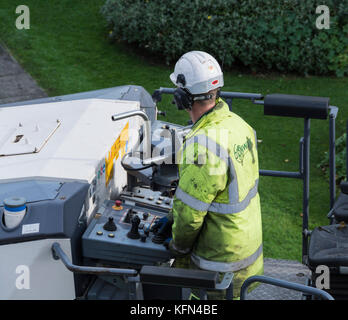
(118, 203)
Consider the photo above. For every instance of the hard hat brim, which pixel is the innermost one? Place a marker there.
(173, 78)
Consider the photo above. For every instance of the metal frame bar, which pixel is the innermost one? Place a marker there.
(346, 151)
(58, 253)
(147, 138)
(304, 157)
(284, 284)
(157, 95)
(332, 153)
(305, 196)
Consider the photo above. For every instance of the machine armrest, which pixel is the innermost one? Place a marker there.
(296, 106)
(179, 277)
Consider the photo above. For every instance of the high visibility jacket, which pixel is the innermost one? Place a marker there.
(216, 208)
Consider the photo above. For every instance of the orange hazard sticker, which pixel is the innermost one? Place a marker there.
(119, 148)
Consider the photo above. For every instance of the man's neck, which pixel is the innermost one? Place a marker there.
(198, 110)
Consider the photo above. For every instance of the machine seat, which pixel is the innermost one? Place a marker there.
(329, 246)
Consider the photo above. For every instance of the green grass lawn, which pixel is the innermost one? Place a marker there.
(67, 50)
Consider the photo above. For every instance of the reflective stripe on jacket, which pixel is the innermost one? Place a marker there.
(216, 206)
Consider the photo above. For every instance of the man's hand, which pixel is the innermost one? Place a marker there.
(160, 224)
(162, 229)
(166, 242)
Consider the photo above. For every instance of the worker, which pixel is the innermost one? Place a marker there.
(216, 209)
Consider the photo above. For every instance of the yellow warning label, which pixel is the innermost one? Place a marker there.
(118, 149)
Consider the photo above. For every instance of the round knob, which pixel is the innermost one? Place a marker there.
(143, 238)
(118, 205)
(145, 215)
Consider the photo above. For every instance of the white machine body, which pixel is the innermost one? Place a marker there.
(70, 141)
(29, 272)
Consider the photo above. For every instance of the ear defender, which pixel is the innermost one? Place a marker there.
(183, 99)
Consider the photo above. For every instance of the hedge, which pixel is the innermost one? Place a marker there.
(341, 154)
(259, 34)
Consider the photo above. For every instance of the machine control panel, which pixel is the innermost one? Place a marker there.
(121, 232)
(147, 198)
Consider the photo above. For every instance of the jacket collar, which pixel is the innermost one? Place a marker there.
(213, 113)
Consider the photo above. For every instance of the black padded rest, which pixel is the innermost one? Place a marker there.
(329, 246)
(344, 187)
(179, 277)
(287, 105)
(340, 208)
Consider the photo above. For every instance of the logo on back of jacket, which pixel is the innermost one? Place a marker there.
(240, 150)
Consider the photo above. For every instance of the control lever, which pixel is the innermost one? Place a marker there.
(163, 232)
(134, 232)
(129, 216)
(110, 225)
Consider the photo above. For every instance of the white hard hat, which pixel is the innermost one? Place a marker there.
(198, 72)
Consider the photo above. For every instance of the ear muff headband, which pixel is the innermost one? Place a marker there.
(185, 100)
